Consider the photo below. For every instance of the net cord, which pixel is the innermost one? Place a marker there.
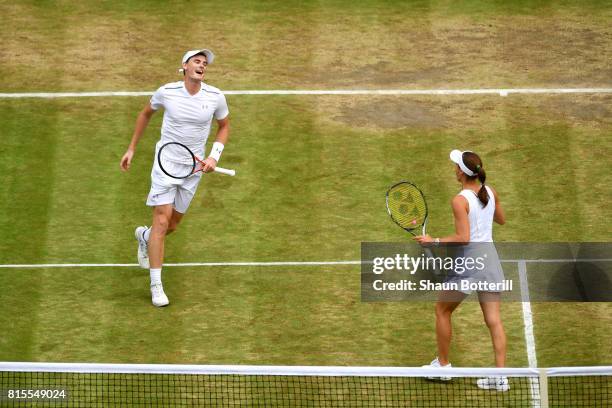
(302, 370)
(296, 370)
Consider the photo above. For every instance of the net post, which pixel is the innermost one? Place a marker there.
(543, 387)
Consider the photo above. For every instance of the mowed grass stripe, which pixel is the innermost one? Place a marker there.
(545, 177)
(28, 151)
(584, 328)
(27, 174)
(585, 154)
(86, 210)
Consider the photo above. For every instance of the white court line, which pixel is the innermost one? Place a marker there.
(485, 91)
(527, 315)
(529, 336)
(272, 263)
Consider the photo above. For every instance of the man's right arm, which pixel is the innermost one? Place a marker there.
(141, 124)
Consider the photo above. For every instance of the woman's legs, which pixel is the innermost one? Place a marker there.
(490, 304)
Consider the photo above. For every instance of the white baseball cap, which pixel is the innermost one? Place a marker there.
(457, 157)
(210, 57)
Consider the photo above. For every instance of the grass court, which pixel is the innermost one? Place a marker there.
(312, 173)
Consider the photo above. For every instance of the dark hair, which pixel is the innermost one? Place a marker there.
(473, 162)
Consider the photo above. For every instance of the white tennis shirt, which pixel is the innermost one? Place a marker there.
(481, 219)
(188, 118)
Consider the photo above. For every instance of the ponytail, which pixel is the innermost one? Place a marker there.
(483, 195)
(472, 161)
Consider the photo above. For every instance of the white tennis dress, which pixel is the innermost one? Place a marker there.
(481, 244)
(187, 120)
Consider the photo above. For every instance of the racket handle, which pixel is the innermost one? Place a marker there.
(227, 172)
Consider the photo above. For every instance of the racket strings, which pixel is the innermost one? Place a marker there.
(176, 160)
(407, 205)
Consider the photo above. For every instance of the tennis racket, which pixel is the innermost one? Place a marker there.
(407, 207)
(178, 161)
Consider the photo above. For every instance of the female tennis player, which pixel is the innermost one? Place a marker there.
(189, 109)
(475, 209)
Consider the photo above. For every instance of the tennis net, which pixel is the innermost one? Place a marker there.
(152, 385)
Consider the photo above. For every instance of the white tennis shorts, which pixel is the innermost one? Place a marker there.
(167, 190)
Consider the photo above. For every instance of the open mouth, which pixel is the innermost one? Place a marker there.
(199, 72)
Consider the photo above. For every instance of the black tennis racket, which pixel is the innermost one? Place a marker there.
(407, 207)
(178, 161)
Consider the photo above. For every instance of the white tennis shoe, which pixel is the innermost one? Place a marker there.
(499, 383)
(436, 364)
(143, 247)
(158, 297)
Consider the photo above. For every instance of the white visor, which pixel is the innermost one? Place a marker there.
(457, 157)
(210, 57)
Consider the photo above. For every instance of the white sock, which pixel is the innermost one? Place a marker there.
(147, 234)
(155, 276)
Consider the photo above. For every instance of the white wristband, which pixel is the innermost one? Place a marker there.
(215, 152)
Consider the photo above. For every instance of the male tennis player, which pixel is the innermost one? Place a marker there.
(189, 108)
(475, 209)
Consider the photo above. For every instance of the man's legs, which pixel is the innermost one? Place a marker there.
(165, 221)
(170, 202)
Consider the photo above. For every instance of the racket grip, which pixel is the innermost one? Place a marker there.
(227, 172)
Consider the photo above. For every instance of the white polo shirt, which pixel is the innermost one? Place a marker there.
(188, 118)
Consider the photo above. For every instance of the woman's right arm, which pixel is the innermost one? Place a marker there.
(462, 225)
